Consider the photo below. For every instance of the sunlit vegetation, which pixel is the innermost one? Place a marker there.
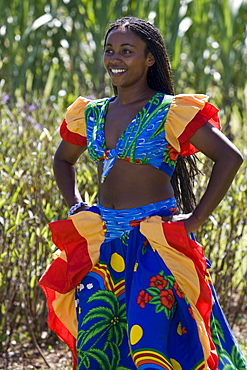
(51, 52)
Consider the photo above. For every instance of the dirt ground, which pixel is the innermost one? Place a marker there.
(57, 356)
(25, 357)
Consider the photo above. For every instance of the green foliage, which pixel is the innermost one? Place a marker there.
(224, 237)
(29, 201)
(53, 50)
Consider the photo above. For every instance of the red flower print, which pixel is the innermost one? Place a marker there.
(167, 298)
(179, 292)
(173, 154)
(143, 298)
(145, 243)
(158, 282)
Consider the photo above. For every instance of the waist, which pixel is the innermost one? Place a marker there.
(129, 185)
(120, 221)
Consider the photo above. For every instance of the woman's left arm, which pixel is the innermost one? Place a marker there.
(227, 160)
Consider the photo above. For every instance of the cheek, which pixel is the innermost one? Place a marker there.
(105, 60)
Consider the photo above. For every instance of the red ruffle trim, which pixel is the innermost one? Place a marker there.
(56, 325)
(71, 137)
(64, 276)
(209, 113)
(177, 238)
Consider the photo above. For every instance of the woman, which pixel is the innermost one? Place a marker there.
(144, 298)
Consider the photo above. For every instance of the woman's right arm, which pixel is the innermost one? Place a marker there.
(63, 166)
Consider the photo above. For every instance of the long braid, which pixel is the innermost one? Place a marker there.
(159, 78)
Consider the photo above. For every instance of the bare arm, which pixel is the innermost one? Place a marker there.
(63, 167)
(227, 160)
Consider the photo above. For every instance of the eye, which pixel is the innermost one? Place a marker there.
(127, 51)
(108, 51)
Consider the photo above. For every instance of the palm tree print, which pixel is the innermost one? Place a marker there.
(233, 361)
(111, 326)
(216, 332)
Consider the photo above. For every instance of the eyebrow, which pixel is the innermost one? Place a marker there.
(126, 44)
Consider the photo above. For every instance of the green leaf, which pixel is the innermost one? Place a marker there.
(95, 329)
(237, 358)
(101, 357)
(155, 300)
(153, 291)
(107, 297)
(98, 312)
(159, 308)
(115, 355)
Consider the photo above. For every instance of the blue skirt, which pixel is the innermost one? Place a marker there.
(148, 302)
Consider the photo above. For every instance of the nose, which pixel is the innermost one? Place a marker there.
(115, 58)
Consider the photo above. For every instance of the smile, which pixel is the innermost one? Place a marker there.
(116, 71)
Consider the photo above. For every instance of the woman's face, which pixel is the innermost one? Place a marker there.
(126, 59)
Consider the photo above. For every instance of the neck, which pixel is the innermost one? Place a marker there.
(133, 94)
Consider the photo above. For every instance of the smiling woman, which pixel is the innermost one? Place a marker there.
(140, 282)
(126, 58)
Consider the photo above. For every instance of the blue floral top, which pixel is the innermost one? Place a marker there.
(155, 136)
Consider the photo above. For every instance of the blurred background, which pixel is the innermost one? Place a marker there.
(50, 53)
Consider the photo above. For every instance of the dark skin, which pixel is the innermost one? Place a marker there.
(129, 185)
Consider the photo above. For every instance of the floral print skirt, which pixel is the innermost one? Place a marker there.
(148, 301)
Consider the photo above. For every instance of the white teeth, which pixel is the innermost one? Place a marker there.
(118, 70)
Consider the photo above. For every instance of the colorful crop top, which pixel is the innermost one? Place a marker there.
(156, 136)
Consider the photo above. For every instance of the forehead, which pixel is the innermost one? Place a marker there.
(124, 35)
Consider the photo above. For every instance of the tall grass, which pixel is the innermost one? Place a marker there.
(29, 201)
(55, 48)
(50, 52)
(224, 236)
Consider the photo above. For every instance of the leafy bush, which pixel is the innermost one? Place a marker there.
(53, 49)
(29, 201)
(224, 236)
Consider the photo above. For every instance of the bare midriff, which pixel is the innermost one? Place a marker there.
(130, 185)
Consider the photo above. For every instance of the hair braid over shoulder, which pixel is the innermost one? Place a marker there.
(159, 78)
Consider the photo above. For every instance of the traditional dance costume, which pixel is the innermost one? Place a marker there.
(127, 290)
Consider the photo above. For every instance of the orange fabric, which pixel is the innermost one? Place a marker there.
(75, 117)
(90, 226)
(73, 128)
(63, 276)
(186, 115)
(184, 257)
(207, 114)
(71, 137)
(56, 325)
(78, 239)
(183, 109)
(65, 310)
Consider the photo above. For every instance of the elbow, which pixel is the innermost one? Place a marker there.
(239, 158)
(59, 164)
(230, 160)
(236, 159)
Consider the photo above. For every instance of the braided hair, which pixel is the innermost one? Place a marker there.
(159, 78)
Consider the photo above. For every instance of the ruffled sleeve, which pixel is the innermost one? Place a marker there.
(186, 115)
(73, 127)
